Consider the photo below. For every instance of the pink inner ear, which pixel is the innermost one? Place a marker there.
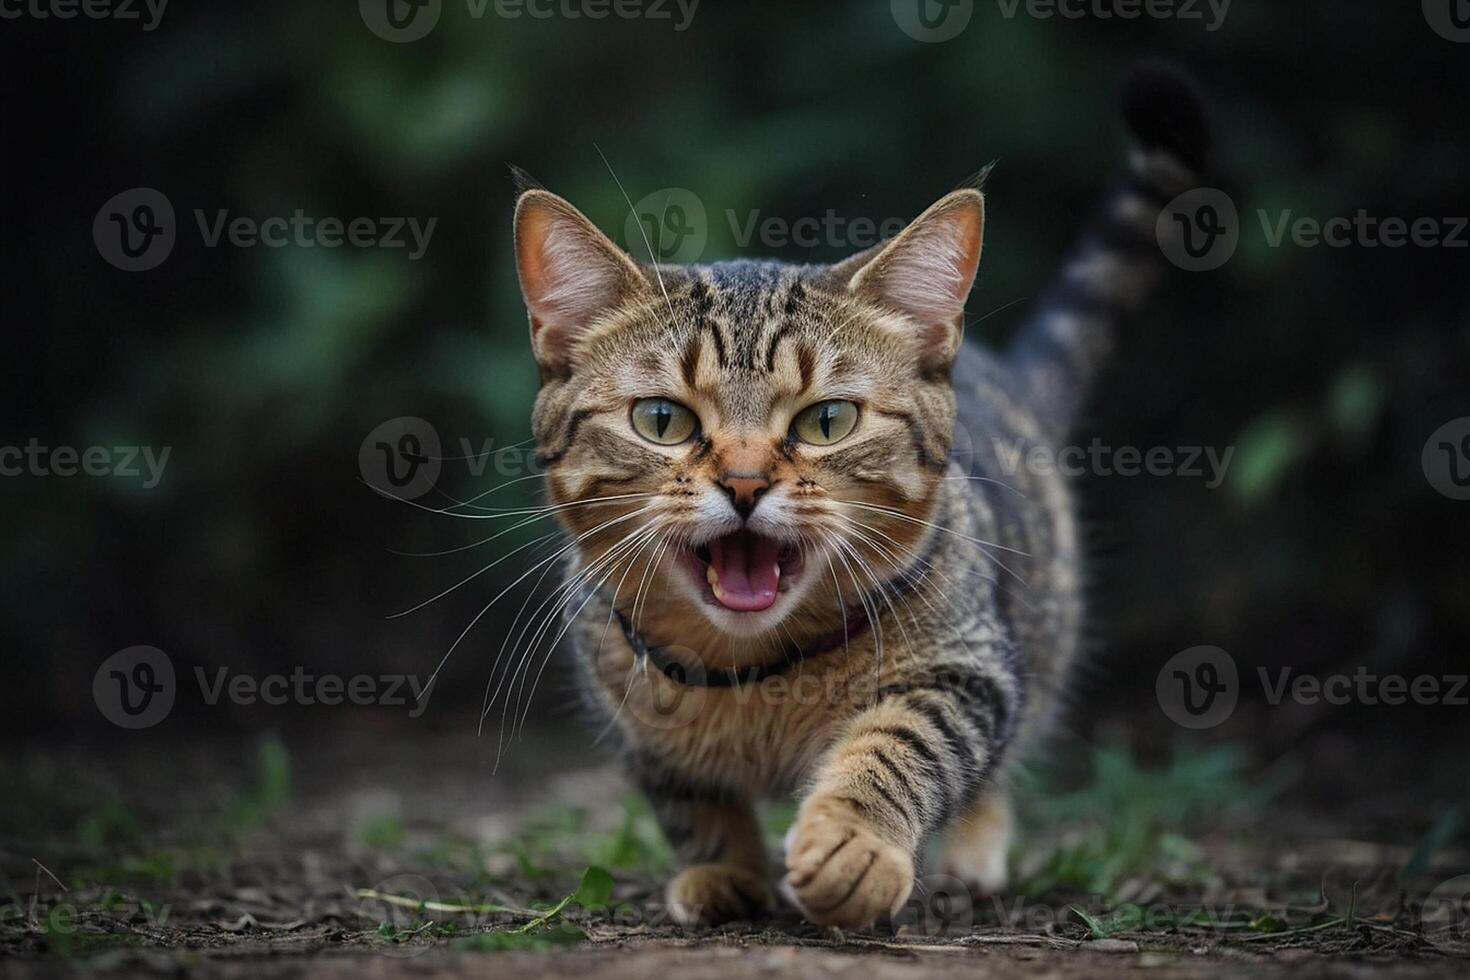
(928, 275)
(570, 273)
(562, 278)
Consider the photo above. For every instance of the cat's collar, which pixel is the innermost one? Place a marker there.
(697, 675)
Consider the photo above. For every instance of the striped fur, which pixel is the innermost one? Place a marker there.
(954, 586)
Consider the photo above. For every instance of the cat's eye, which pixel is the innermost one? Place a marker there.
(824, 423)
(664, 422)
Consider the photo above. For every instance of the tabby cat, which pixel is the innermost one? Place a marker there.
(798, 565)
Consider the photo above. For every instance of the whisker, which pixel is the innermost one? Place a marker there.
(482, 571)
(495, 513)
(523, 695)
(567, 585)
(543, 563)
(652, 258)
(882, 593)
(474, 544)
(546, 657)
(895, 512)
(986, 479)
(891, 512)
(868, 610)
(632, 673)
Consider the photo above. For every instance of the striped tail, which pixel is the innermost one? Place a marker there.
(1068, 337)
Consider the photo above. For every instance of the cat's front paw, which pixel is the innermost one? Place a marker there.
(840, 871)
(708, 894)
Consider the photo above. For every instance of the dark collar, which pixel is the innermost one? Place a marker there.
(697, 675)
(856, 623)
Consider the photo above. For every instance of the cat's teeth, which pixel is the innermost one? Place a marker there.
(713, 578)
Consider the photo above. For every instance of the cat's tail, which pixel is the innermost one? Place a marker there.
(1110, 271)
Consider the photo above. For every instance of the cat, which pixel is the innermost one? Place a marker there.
(790, 573)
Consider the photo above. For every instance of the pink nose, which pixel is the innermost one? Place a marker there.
(745, 490)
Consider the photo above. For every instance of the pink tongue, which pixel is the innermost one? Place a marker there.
(747, 569)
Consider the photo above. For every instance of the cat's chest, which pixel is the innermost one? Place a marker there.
(756, 737)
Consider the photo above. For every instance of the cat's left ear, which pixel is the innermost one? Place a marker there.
(571, 275)
(925, 272)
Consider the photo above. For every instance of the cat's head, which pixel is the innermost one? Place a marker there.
(743, 449)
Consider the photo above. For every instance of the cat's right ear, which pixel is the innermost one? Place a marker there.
(571, 275)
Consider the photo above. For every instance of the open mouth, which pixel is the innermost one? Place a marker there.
(744, 571)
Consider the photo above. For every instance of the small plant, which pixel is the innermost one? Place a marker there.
(384, 832)
(1129, 822)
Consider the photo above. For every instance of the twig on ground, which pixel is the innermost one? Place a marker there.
(49, 875)
(402, 901)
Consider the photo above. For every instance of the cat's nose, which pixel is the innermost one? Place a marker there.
(744, 490)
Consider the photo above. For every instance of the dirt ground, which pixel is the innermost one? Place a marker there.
(232, 857)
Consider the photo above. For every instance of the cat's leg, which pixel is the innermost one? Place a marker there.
(899, 771)
(977, 843)
(718, 842)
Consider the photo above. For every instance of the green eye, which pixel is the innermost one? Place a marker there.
(664, 422)
(824, 423)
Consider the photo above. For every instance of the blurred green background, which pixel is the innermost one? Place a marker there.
(264, 369)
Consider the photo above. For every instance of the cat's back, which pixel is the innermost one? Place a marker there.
(1004, 465)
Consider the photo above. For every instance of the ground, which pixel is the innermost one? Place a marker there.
(369, 854)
